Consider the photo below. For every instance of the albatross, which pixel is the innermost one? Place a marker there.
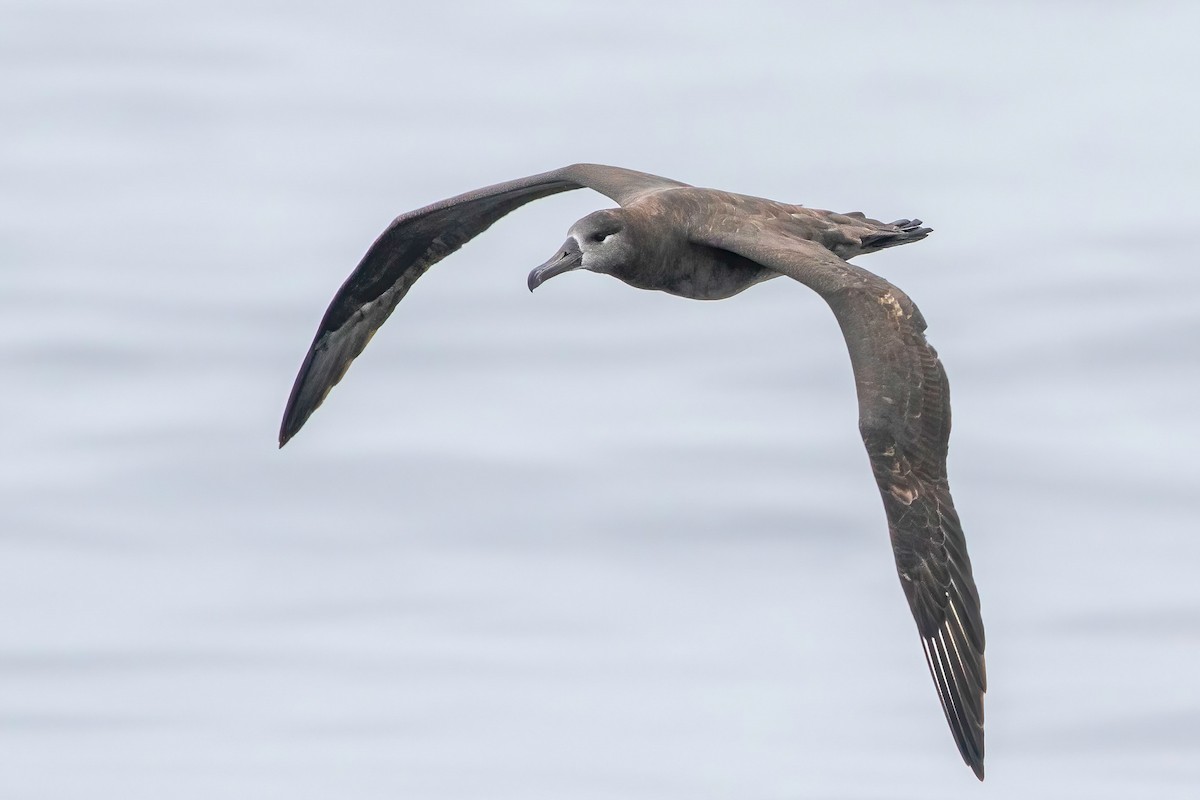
(707, 244)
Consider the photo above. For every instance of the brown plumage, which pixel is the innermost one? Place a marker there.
(707, 244)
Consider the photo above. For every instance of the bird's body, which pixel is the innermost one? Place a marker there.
(706, 244)
(669, 229)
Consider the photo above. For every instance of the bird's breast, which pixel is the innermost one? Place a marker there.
(702, 273)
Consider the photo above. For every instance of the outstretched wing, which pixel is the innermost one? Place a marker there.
(408, 247)
(904, 418)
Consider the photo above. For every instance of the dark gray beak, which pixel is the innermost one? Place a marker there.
(568, 257)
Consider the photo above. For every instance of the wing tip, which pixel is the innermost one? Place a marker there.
(296, 413)
(961, 702)
(301, 402)
(286, 433)
(294, 417)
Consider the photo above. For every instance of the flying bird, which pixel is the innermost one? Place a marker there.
(707, 244)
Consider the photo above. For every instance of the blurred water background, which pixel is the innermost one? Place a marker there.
(592, 543)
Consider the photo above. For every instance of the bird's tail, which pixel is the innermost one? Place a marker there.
(902, 231)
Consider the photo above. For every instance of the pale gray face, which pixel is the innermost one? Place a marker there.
(601, 238)
(598, 243)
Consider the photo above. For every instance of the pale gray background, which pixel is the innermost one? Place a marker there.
(591, 543)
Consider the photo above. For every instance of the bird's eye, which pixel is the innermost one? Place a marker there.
(600, 237)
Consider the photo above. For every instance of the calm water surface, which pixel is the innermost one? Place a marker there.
(592, 543)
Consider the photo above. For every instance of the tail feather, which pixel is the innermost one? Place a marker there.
(903, 231)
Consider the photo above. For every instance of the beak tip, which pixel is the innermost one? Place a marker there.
(568, 258)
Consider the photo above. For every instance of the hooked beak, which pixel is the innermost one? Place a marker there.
(569, 257)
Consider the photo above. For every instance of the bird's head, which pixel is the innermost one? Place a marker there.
(600, 242)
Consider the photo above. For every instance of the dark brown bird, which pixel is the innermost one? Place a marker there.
(707, 244)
